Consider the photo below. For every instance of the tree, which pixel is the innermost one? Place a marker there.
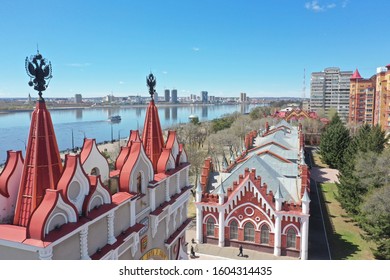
(312, 129)
(353, 183)
(375, 221)
(260, 112)
(334, 142)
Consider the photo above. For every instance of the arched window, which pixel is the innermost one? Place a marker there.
(95, 171)
(291, 236)
(210, 226)
(249, 232)
(233, 230)
(264, 236)
(139, 183)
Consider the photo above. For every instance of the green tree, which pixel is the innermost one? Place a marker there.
(375, 221)
(260, 112)
(334, 142)
(353, 180)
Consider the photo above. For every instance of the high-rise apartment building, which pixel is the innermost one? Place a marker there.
(174, 96)
(204, 95)
(382, 112)
(78, 98)
(243, 98)
(166, 95)
(329, 89)
(362, 99)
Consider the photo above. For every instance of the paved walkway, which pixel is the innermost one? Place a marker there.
(214, 252)
(324, 175)
(320, 174)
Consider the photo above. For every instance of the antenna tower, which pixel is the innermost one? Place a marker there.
(304, 84)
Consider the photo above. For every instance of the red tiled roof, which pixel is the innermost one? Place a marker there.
(163, 160)
(170, 139)
(12, 233)
(42, 168)
(71, 162)
(123, 155)
(36, 225)
(125, 173)
(134, 136)
(152, 137)
(356, 75)
(86, 149)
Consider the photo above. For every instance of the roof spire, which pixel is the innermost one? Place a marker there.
(152, 137)
(42, 165)
(356, 75)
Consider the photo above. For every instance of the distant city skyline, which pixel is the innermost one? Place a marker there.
(224, 47)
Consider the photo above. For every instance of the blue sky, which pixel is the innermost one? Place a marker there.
(222, 46)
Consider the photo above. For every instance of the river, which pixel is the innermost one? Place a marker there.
(93, 123)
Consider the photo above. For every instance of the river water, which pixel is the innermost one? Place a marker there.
(93, 123)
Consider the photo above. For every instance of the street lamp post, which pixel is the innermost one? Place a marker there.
(119, 138)
(72, 140)
(112, 134)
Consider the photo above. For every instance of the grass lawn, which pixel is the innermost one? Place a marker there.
(317, 160)
(345, 240)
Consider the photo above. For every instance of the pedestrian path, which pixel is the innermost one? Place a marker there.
(214, 252)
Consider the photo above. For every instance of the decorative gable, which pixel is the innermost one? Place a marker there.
(51, 214)
(97, 196)
(137, 162)
(183, 158)
(172, 143)
(9, 185)
(74, 182)
(166, 161)
(122, 157)
(94, 163)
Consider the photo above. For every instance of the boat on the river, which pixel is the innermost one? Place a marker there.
(115, 118)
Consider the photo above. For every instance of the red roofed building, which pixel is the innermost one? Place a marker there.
(382, 98)
(369, 101)
(297, 114)
(361, 99)
(261, 200)
(53, 211)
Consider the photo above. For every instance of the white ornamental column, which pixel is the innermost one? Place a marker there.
(278, 223)
(305, 225)
(221, 231)
(199, 224)
(132, 213)
(46, 253)
(199, 215)
(152, 197)
(304, 237)
(278, 235)
(167, 197)
(110, 224)
(84, 244)
(178, 182)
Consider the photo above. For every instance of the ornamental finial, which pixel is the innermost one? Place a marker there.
(39, 70)
(151, 82)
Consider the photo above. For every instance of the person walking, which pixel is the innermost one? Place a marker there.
(240, 254)
(192, 252)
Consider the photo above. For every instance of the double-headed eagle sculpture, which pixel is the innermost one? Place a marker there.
(39, 70)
